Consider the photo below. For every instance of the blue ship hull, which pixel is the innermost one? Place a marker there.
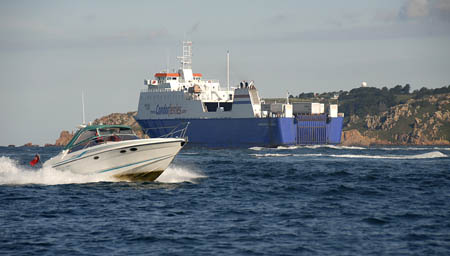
(250, 132)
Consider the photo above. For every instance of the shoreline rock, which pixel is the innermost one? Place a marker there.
(354, 138)
(64, 138)
(423, 122)
(29, 144)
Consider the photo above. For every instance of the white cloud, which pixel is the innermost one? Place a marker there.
(276, 19)
(437, 10)
(385, 16)
(443, 5)
(441, 9)
(416, 8)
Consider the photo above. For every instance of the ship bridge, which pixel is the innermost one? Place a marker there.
(192, 84)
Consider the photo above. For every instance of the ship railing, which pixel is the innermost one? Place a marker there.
(177, 131)
(157, 90)
(210, 81)
(195, 97)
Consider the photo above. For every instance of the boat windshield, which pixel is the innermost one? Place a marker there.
(89, 137)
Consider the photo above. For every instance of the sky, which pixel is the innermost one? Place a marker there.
(52, 51)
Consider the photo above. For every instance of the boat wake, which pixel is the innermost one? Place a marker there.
(307, 147)
(339, 147)
(334, 147)
(429, 155)
(278, 155)
(177, 174)
(12, 173)
(257, 148)
(415, 148)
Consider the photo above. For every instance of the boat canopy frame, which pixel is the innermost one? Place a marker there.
(97, 128)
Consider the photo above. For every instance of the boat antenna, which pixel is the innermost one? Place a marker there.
(228, 70)
(82, 103)
(167, 60)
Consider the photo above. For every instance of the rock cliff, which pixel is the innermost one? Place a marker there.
(64, 138)
(354, 138)
(29, 144)
(417, 122)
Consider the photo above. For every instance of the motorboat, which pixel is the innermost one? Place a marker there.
(115, 150)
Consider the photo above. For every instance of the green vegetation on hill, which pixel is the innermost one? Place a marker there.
(370, 100)
(365, 101)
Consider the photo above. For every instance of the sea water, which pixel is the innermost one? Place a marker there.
(305, 200)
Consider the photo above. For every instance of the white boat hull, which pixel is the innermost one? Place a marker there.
(143, 159)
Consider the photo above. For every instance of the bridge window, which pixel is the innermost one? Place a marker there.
(213, 106)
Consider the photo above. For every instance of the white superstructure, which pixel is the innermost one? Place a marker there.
(186, 95)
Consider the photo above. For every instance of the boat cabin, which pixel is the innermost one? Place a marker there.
(94, 135)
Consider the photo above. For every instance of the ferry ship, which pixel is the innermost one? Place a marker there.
(230, 117)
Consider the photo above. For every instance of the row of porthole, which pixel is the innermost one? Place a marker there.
(121, 151)
(131, 149)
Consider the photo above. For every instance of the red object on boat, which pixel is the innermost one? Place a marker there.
(35, 160)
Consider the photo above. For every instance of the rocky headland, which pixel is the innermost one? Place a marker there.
(423, 121)
(122, 119)
(64, 138)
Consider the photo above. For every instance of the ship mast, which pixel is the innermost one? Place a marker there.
(186, 59)
(228, 70)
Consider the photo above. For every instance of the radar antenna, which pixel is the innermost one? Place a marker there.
(82, 103)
